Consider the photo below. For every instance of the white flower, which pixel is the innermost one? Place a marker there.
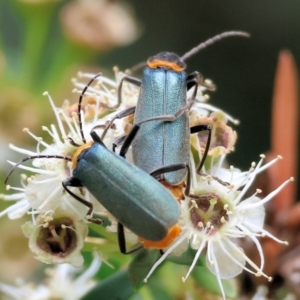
(59, 284)
(43, 191)
(201, 108)
(223, 137)
(57, 237)
(215, 217)
(130, 94)
(42, 194)
(106, 89)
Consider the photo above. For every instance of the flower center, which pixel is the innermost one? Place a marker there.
(57, 238)
(207, 211)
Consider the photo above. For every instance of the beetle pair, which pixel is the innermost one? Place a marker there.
(132, 196)
(129, 193)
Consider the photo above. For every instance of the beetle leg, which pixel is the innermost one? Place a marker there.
(122, 241)
(74, 182)
(129, 139)
(170, 118)
(197, 78)
(124, 113)
(99, 126)
(197, 128)
(172, 168)
(129, 79)
(202, 128)
(136, 127)
(195, 75)
(179, 166)
(194, 79)
(118, 142)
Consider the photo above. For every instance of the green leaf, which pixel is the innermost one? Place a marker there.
(141, 265)
(96, 230)
(159, 292)
(209, 282)
(116, 287)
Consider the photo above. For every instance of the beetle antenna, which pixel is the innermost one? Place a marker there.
(137, 67)
(72, 142)
(212, 41)
(100, 126)
(79, 105)
(34, 157)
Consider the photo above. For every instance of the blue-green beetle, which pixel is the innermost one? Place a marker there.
(163, 97)
(135, 198)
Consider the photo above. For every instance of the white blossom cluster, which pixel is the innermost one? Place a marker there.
(213, 217)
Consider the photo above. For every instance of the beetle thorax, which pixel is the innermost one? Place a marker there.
(167, 60)
(78, 152)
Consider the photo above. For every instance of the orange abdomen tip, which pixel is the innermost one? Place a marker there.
(173, 233)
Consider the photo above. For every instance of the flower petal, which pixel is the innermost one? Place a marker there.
(229, 260)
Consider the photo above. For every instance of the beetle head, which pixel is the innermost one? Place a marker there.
(167, 60)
